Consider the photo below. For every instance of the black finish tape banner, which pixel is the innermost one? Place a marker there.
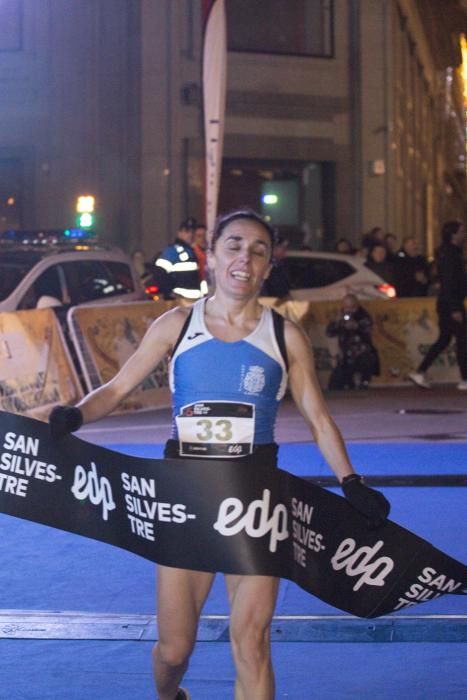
(220, 516)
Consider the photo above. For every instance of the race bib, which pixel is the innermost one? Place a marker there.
(216, 429)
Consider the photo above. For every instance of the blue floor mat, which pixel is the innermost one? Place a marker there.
(367, 458)
(77, 670)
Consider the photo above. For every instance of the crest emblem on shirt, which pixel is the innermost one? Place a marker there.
(254, 380)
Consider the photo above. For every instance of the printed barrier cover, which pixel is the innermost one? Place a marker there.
(220, 516)
(403, 330)
(105, 336)
(36, 371)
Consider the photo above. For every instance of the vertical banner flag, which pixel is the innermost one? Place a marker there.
(214, 89)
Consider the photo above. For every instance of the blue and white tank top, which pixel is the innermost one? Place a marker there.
(225, 395)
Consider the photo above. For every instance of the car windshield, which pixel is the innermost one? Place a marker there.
(11, 274)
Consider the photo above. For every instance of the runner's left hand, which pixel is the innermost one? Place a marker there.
(370, 503)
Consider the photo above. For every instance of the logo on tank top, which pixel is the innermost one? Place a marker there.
(254, 380)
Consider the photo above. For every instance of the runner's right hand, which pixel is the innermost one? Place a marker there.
(64, 420)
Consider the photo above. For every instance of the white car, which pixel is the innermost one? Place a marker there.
(320, 276)
(41, 269)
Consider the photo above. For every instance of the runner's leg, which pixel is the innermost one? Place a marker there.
(181, 594)
(252, 602)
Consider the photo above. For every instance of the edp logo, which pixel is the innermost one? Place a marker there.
(255, 520)
(361, 562)
(88, 484)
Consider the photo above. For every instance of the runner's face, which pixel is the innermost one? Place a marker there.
(241, 259)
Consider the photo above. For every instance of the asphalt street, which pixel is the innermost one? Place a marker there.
(398, 414)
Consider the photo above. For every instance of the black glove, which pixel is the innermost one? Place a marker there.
(368, 502)
(64, 420)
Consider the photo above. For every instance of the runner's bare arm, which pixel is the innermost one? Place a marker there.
(156, 343)
(310, 402)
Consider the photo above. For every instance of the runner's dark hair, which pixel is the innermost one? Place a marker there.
(239, 214)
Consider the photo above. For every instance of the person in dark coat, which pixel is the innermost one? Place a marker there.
(358, 358)
(378, 262)
(450, 305)
(412, 270)
(392, 246)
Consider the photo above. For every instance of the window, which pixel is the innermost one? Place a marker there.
(306, 273)
(47, 284)
(11, 275)
(296, 197)
(122, 276)
(296, 27)
(89, 280)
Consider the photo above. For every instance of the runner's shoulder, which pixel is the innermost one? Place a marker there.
(170, 324)
(296, 340)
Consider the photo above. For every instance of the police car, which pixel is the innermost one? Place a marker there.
(52, 268)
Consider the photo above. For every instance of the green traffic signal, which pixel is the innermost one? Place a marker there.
(85, 220)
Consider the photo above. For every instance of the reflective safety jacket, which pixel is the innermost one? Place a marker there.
(177, 272)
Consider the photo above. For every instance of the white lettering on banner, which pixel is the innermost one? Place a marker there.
(302, 511)
(142, 528)
(154, 510)
(440, 581)
(87, 484)
(13, 485)
(21, 443)
(231, 510)
(143, 487)
(419, 593)
(143, 510)
(24, 466)
(360, 562)
(305, 538)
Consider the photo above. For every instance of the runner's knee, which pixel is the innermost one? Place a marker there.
(250, 645)
(174, 653)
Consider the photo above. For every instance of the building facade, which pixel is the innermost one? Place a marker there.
(341, 115)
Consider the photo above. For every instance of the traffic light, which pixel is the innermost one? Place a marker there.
(85, 205)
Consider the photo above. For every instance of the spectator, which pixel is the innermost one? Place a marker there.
(412, 270)
(392, 246)
(358, 359)
(176, 269)
(450, 305)
(376, 235)
(377, 262)
(277, 284)
(343, 245)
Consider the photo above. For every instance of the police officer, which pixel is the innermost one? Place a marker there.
(177, 272)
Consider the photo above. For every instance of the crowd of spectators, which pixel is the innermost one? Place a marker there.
(400, 264)
(180, 271)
